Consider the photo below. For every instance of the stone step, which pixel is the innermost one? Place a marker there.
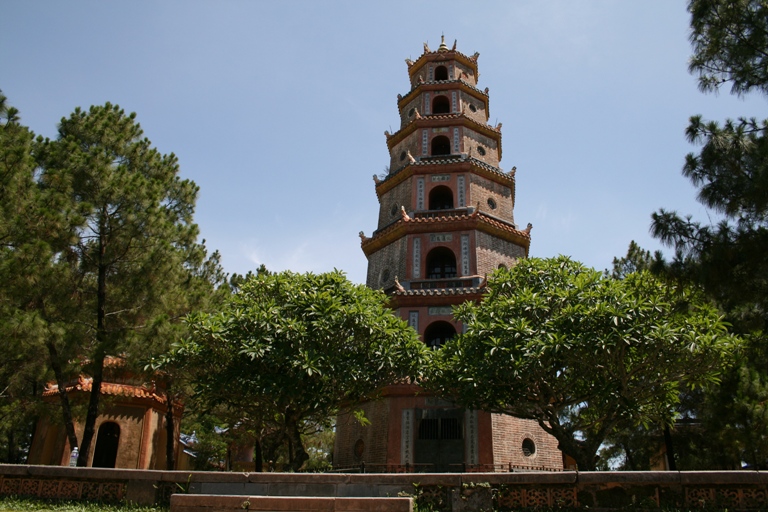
(225, 503)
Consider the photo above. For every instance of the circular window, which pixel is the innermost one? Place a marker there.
(472, 108)
(481, 150)
(491, 203)
(402, 156)
(385, 275)
(411, 112)
(529, 447)
(393, 210)
(359, 448)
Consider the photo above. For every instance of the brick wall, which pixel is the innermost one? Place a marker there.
(392, 258)
(393, 200)
(411, 143)
(480, 115)
(405, 114)
(373, 435)
(509, 434)
(734, 490)
(482, 189)
(492, 251)
(472, 139)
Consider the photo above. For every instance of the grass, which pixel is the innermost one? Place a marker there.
(37, 505)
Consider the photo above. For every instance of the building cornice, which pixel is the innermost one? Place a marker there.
(415, 66)
(438, 85)
(474, 219)
(450, 164)
(442, 120)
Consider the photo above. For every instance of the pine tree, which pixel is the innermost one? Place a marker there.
(126, 267)
(727, 259)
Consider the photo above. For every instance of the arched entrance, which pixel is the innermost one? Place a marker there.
(107, 441)
(441, 105)
(441, 146)
(441, 263)
(441, 198)
(438, 333)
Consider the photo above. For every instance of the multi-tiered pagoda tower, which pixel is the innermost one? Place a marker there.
(445, 222)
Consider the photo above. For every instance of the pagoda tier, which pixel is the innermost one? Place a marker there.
(446, 221)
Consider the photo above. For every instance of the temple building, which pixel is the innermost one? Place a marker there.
(130, 428)
(446, 221)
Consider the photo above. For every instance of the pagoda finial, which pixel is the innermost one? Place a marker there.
(443, 47)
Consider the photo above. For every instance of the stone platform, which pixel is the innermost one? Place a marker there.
(217, 503)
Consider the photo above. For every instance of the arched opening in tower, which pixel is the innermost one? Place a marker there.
(441, 73)
(441, 105)
(441, 198)
(438, 333)
(441, 263)
(107, 441)
(441, 146)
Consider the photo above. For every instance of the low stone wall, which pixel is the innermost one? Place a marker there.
(738, 490)
(216, 503)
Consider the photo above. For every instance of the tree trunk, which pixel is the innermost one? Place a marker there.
(258, 460)
(170, 427)
(93, 410)
(101, 343)
(299, 455)
(670, 449)
(66, 409)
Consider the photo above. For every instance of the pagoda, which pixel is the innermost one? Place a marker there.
(445, 222)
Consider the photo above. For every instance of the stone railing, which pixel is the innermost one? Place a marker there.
(455, 492)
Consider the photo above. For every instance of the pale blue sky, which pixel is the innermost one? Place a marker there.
(277, 110)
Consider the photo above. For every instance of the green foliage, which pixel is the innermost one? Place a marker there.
(132, 243)
(636, 260)
(583, 355)
(729, 39)
(727, 259)
(22, 257)
(293, 348)
(98, 257)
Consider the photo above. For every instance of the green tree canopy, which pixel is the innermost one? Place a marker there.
(288, 350)
(582, 354)
(130, 262)
(727, 258)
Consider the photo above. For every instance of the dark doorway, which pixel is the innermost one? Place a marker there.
(440, 440)
(105, 454)
(441, 73)
(441, 263)
(441, 105)
(438, 333)
(441, 198)
(441, 146)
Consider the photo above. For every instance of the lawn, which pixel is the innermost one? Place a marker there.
(30, 505)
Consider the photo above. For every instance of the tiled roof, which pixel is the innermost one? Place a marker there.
(438, 292)
(427, 118)
(455, 221)
(444, 82)
(449, 159)
(476, 214)
(107, 388)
